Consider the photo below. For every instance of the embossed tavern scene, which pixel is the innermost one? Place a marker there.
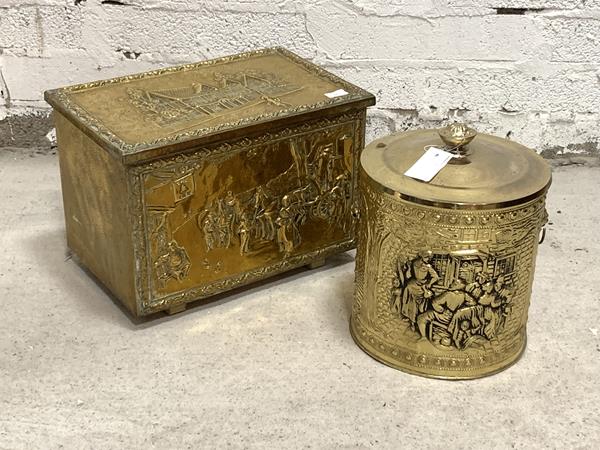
(454, 301)
(225, 172)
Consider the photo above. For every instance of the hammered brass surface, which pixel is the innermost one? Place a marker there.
(441, 292)
(496, 173)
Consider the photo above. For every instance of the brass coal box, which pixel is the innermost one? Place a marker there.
(188, 181)
(444, 269)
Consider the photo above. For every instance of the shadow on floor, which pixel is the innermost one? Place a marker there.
(58, 263)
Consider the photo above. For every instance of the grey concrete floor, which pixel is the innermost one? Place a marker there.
(274, 366)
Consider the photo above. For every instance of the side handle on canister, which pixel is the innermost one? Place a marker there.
(543, 230)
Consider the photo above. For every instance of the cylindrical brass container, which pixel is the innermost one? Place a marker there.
(444, 269)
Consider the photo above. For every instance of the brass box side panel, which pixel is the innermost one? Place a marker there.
(236, 212)
(94, 188)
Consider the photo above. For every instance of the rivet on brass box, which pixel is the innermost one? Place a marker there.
(188, 181)
(444, 269)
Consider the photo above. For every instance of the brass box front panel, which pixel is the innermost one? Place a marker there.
(226, 215)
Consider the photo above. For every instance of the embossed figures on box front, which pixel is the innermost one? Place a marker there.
(247, 206)
(316, 186)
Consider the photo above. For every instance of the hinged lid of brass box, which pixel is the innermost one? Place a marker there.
(164, 111)
(444, 268)
(193, 180)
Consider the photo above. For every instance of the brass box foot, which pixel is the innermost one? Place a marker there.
(175, 309)
(316, 263)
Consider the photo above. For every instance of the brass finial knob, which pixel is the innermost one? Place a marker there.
(457, 135)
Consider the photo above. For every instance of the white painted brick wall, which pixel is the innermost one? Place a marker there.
(529, 69)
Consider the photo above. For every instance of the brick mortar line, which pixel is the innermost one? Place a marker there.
(436, 64)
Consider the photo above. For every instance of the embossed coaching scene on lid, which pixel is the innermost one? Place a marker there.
(181, 103)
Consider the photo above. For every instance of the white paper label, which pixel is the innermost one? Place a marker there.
(428, 165)
(334, 94)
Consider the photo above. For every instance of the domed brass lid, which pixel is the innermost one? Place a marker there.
(487, 171)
